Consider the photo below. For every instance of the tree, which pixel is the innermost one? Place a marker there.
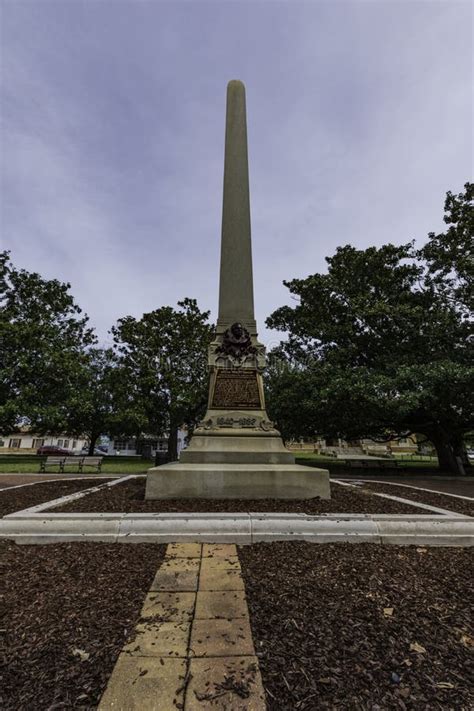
(164, 357)
(379, 346)
(96, 406)
(450, 255)
(43, 337)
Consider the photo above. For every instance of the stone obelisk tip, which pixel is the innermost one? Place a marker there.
(236, 281)
(235, 84)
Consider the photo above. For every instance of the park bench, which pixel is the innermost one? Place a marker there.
(372, 463)
(95, 462)
(51, 462)
(388, 464)
(80, 462)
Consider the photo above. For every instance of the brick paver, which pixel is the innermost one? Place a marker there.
(193, 647)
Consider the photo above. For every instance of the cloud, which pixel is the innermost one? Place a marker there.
(359, 116)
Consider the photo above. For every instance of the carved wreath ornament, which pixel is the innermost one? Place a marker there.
(236, 342)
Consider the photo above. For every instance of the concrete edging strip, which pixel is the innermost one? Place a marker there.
(239, 528)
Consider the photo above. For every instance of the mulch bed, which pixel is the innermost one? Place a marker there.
(341, 626)
(68, 609)
(443, 501)
(18, 499)
(130, 498)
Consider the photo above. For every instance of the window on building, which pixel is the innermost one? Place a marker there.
(74, 443)
(37, 443)
(121, 444)
(66, 443)
(15, 443)
(60, 442)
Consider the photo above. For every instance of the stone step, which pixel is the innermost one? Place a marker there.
(236, 457)
(179, 480)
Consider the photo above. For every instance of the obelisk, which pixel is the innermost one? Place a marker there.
(236, 278)
(236, 452)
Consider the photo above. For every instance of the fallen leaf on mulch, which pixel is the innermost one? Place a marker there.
(83, 656)
(415, 647)
(388, 611)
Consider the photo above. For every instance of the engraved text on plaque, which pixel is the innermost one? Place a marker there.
(236, 389)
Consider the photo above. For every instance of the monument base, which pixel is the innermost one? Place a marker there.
(179, 480)
(238, 448)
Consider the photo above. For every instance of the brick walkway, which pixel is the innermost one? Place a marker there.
(193, 648)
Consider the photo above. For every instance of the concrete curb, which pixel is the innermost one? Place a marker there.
(239, 528)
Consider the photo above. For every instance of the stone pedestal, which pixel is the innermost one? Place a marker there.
(236, 481)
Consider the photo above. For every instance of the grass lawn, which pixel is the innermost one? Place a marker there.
(421, 462)
(114, 467)
(138, 466)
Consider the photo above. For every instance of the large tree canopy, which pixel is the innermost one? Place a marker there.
(379, 345)
(164, 359)
(43, 337)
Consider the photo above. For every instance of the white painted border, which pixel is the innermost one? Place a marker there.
(47, 481)
(406, 486)
(409, 502)
(55, 503)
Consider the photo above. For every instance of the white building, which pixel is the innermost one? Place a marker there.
(27, 442)
(127, 446)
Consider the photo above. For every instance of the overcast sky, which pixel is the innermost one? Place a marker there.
(359, 121)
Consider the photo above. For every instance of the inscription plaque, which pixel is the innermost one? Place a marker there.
(236, 389)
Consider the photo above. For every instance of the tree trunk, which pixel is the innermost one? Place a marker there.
(459, 449)
(92, 442)
(447, 459)
(173, 443)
